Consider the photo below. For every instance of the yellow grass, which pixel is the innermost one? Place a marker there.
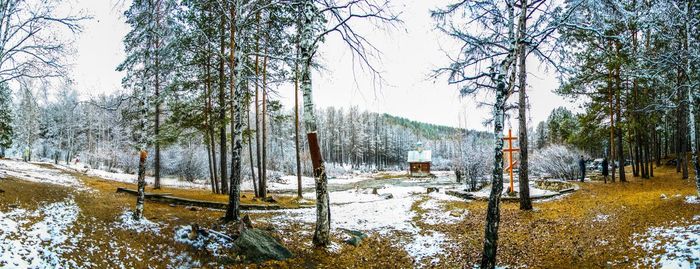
(560, 233)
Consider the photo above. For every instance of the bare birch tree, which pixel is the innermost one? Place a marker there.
(319, 19)
(31, 42)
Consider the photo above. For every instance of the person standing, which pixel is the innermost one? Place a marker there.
(605, 168)
(582, 167)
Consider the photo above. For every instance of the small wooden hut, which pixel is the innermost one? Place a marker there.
(419, 162)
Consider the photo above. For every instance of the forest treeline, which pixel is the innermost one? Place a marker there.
(99, 133)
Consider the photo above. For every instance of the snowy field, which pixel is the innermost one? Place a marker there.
(35, 173)
(389, 212)
(677, 246)
(39, 244)
(534, 191)
(398, 209)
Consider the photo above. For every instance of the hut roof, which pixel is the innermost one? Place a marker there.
(419, 156)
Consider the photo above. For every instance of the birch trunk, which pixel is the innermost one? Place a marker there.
(141, 181)
(493, 216)
(307, 50)
(691, 103)
(233, 210)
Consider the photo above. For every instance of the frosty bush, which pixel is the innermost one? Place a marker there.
(189, 162)
(558, 161)
(475, 161)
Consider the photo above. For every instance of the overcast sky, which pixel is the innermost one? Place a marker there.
(409, 54)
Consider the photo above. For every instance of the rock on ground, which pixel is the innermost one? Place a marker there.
(258, 246)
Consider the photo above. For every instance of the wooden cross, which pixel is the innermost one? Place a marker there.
(510, 151)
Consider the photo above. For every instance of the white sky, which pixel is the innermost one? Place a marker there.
(408, 56)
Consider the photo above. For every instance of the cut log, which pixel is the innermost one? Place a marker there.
(168, 199)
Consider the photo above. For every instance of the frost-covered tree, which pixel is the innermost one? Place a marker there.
(494, 39)
(6, 131)
(27, 120)
(558, 161)
(148, 52)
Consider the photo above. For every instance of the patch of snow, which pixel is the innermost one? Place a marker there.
(679, 247)
(164, 181)
(442, 196)
(365, 212)
(382, 216)
(289, 182)
(692, 200)
(534, 192)
(436, 213)
(426, 246)
(212, 243)
(126, 221)
(601, 218)
(41, 244)
(35, 173)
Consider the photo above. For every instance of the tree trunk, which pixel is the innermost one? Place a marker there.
(310, 14)
(296, 121)
(620, 150)
(141, 181)
(612, 125)
(493, 217)
(691, 100)
(210, 127)
(525, 203)
(263, 176)
(236, 90)
(257, 108)
(222, 110)
(250, 151)
(156, 157)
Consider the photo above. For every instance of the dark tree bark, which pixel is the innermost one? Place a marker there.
(524, 184)
(222, 109)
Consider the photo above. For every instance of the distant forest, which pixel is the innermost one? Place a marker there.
(100, 132)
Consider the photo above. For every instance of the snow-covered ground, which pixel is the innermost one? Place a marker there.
(126, 221)
(212, 243)
(359, 209)
(35, 173)
(679, 245)
(289, 183)
(39, 244)
(534, 191)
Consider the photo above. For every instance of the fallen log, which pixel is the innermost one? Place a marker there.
(197, 230)
(169, 199)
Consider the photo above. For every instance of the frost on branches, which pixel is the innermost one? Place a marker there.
(557, 161)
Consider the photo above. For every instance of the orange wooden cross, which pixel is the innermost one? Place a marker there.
(510, 151)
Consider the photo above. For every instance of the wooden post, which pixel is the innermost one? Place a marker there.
(510, 151)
